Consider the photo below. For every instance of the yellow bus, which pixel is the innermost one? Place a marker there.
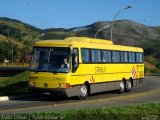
(79, 66)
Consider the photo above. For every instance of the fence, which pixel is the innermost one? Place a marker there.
(19, 64)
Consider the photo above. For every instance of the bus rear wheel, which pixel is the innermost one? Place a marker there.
(83, 92)
(121, 86)
(128, 85)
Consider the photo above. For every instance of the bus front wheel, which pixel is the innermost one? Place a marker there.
(83, 92)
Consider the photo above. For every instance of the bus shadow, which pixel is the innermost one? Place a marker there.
(50, 98)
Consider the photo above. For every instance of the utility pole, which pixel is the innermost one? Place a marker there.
(11, 46)
(100, 30)
(128, 7)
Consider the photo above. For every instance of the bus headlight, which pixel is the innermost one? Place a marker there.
(32, 84)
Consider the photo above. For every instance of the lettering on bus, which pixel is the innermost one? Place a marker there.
(140, 65)
(99, 69)
(58, 78)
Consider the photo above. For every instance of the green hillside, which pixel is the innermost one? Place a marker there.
(14, 33)
(125, 32)
(57, 33)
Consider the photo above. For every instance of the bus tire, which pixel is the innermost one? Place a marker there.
(128, 85)
(121, 86)
(83, 92)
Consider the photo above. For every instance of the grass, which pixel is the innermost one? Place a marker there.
(4, 78)
(2, 37)
(14, 85)
(150, 111)
(129, 112)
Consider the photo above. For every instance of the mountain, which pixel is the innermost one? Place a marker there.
(57, 33)
(125, 32)
(17, 29)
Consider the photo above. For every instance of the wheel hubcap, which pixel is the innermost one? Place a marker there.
(122, 85)
(83, 90)
(129, 85)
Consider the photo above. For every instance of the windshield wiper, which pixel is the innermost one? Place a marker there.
(37, 70)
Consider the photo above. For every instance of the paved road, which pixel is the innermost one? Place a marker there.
(148, 92)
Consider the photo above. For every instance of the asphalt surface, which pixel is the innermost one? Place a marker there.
(148, 92)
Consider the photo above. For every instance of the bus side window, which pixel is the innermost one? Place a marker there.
(106, 56)
(124, 57)
(75, 59)
(86, 55)
(139, 57)
(115, 56)
(132, 57)
(96, 56)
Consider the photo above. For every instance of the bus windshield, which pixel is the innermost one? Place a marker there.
(50, 59)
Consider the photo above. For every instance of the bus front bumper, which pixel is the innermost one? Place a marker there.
(69, 92)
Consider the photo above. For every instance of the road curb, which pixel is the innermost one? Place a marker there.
(15, 97)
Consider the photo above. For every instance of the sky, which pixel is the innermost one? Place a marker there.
(75, 13)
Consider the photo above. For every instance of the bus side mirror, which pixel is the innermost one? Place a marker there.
(75, 63)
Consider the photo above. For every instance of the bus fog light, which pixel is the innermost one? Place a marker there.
(67, 85)
(45, 84)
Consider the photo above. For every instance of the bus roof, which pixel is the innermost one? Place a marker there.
(72, 40)
(84, 42)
